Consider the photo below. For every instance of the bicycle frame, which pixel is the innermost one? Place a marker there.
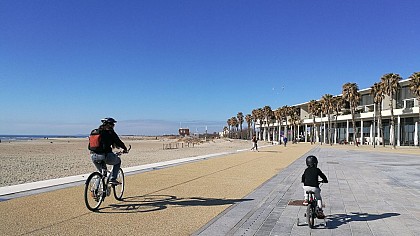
(312, 209)
(106, 176)
(97, 186)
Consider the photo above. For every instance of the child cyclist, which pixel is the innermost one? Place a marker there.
(310, 182)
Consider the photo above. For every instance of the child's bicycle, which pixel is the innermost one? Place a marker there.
(312, 209)
(97, 186)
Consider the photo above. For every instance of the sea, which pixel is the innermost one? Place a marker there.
(7, 138)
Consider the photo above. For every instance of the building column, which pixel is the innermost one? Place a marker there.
(371, 135)
(298, 130)
(347, 132)
(335, 135)
(362, 138)
(399, 131)
(306, 133)
(416, 134)
(285, 131)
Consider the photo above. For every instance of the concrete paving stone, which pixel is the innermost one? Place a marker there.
(379, 228)
(397, 226)
(239, 232)
(341, 232)
(283, 225)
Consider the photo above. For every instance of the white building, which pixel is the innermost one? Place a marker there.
(406, 113)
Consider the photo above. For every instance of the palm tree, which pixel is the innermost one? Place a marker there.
(248, 119)
(277, 114)
(234, 122)
(314, 109)
(285, 113)
(240, 117)
(390, 83)
(338, 104)
(352, 96)
(254, 115)
(225, 129)
(229, 123)
(415, 89)
(267, 112)
(378, 96)
(283, 117)
(257, 115)
(327, 108)
(294, 121)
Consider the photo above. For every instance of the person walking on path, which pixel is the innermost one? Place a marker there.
(285, 140)
(254, 141)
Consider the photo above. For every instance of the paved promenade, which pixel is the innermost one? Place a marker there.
(369, 193)
(247, 193)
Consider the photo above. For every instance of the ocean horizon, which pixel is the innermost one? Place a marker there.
(17, 137)
(24, 137)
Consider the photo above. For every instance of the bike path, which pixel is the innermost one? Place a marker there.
(369, 193)
(177, 200)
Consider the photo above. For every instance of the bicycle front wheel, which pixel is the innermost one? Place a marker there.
(94, 191)
(119, 189)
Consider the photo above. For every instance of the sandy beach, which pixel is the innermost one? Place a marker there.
(42, 159)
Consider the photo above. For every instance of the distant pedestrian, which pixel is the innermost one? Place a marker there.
(285, 140)
(255, 141)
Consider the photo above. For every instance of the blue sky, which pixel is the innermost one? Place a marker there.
(158, 65)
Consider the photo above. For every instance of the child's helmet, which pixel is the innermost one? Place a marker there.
(311, 161)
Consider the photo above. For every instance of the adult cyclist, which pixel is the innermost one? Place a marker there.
(109, 139)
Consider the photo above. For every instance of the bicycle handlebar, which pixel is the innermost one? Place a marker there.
(123, 152)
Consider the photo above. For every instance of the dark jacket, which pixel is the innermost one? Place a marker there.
(110, 139)
(310, 177)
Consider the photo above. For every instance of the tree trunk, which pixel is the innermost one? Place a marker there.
(353, 121)
(313, 132)
(381, 129)
(392, 123)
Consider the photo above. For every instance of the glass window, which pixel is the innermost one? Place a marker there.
(405, 93)
(366, 99)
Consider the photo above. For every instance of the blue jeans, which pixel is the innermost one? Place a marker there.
(110, 159)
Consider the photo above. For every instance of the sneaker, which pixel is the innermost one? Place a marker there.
(114, 182)
(320, 214)
(305, 202)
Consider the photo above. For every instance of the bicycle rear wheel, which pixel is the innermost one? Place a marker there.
(94, 191)
(119, 189)
(310, 216)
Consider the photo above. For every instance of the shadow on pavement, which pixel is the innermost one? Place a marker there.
(335, 221)
(148, 203)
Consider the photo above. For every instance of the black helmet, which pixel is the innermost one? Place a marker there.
(311, 161)
(108, 120)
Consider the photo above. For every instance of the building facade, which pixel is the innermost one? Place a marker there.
(406, 119)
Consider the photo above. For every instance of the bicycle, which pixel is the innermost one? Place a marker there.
(312, 209)
(97, 186)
